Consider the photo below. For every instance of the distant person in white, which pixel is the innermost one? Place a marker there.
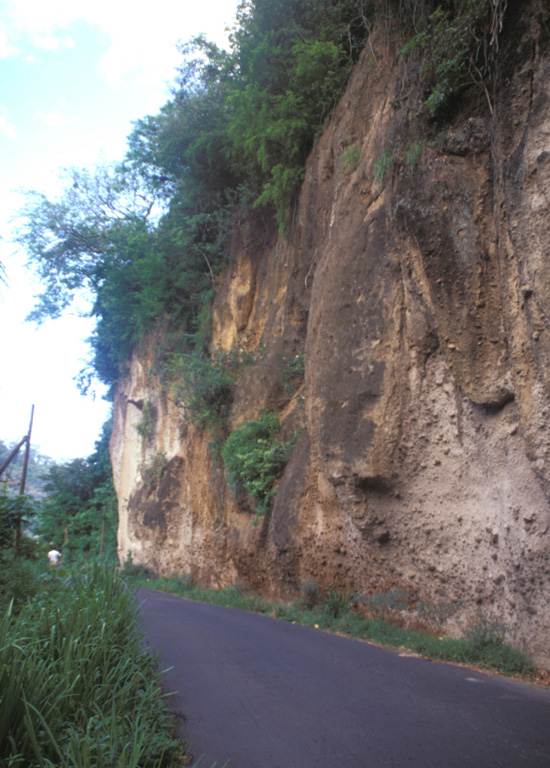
(54, 557)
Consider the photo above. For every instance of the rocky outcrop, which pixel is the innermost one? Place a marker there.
(419, 295)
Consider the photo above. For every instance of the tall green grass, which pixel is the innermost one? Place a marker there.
(78, 688)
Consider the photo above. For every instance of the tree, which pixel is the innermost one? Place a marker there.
(144, 239)
(15, 512)
(80, 512)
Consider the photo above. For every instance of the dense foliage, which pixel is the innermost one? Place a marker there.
(204, 385)
(78, 688)
(255, 457)
(456, 44)
(79, 515)
(16, 512)
(145, 239)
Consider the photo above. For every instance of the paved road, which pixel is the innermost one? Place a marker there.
(260, 693)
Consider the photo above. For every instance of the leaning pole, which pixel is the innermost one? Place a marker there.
(17, 528)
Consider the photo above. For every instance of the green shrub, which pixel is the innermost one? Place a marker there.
(292, 372)
(146, 426)
(255, 458)
(384, 603)
(204, 384)
(15, 513)
(20, 580)
(438, 613)
(484, 632)
(456, 44)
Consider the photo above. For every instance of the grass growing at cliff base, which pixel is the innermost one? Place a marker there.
(335, 613)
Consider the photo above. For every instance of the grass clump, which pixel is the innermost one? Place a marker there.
(384, 164)
(77, 687)
(349, 160)
(338, 602)
(292, 372)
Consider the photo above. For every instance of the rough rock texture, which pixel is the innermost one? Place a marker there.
(421, 301)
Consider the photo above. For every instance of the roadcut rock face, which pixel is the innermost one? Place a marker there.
(420, 301)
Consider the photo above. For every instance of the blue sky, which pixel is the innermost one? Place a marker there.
(73, 77)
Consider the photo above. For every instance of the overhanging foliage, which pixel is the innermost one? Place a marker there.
(145, 239)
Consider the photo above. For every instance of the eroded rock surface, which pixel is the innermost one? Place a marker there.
(421, 301)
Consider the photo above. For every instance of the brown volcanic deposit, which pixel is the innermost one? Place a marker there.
(421, 300)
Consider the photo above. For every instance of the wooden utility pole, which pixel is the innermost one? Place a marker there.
(12, 455)
(17, 529)
(26, 457)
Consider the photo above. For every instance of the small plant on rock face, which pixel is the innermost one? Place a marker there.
(413, 151)
(146, 427)
(292, 372)
(151, 472)
(383, 165)
(350, 159)
(255, 458)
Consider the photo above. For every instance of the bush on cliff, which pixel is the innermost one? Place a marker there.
(255, 457)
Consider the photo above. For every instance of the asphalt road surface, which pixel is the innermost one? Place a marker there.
(261, 693)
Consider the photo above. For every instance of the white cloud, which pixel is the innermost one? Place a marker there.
(142, 38)
(132, 45)
(7, 127)
(6, 48)
(53, 118)
(52, 42)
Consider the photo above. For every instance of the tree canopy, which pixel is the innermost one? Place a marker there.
(144, 239)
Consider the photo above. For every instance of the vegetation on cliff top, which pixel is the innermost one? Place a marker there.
(145, 239)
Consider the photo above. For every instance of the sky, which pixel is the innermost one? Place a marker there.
(74, 75)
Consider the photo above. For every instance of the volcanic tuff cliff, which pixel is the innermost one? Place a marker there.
(415, 278)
